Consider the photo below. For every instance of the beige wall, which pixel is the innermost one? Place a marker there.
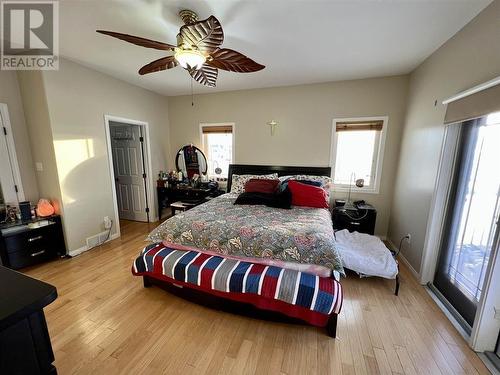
(66, 108)
(471, 57)
(78, 98)
(38, 124)
(10, 95)
(305, 115)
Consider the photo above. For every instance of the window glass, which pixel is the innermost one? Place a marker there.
(355, 154)
(219, 152)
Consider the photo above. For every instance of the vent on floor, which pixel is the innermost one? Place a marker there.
(97, 239)
(93, 241)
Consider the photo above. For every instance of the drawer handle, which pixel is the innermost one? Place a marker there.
(38, 253)
(354, 223)
(35, 238)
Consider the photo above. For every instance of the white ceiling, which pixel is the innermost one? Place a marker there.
(298, 41)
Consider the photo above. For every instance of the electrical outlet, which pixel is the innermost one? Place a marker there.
(107, 222)
(408, 237)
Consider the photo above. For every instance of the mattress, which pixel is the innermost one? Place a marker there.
(300, 235)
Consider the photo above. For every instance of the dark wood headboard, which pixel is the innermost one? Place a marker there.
(280, 170)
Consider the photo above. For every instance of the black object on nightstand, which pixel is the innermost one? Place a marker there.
(26, 243)
(360, 219)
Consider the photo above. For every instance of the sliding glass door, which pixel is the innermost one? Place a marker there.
(471, 220)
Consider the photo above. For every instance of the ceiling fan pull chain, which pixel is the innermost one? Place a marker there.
(192, 94)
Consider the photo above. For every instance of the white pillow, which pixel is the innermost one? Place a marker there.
(239, 180)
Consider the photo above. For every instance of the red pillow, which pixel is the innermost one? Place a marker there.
(308, 195)
(256, 185)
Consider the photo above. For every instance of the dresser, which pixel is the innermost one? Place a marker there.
(27, 243)
(190, 195)
(25, 347)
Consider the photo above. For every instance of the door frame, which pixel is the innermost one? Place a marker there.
(4, 113)
(147, 162)
(483, 333)
(439, 203)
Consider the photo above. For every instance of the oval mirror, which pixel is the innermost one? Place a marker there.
(190, 160)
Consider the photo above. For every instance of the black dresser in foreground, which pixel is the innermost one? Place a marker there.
(360, 219)
(25, 347)
(26, 243)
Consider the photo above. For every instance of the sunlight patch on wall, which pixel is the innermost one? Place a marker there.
(70, 153)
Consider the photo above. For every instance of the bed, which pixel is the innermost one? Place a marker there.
(256, 257)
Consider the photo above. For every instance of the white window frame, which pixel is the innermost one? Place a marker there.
(233, 130)
(375, 188)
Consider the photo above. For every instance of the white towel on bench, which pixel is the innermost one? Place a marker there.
(366, 254)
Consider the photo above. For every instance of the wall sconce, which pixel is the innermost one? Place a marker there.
(273, 125)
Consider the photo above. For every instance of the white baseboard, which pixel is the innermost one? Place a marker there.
(86, 248)
(405, 261)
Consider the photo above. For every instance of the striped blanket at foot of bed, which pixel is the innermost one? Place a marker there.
(297, 294)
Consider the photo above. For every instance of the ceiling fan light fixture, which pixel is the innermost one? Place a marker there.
(190, 59)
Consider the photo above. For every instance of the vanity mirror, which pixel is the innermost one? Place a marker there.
(190, 160)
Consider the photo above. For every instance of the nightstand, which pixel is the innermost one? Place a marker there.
(26, 243)
(361, 220)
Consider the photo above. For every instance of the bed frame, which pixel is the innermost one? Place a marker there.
(233, 307)
(242, 308)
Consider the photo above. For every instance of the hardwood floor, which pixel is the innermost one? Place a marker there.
(105, 322)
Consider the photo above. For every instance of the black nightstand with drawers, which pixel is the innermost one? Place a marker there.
(24, 244)
(360, 219)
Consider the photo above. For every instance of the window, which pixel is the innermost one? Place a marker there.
(357, 152)
(217, 144)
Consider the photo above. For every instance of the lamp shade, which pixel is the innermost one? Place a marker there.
(44, 208)
(190, 59)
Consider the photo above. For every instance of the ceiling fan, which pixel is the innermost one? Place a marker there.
(197, 50)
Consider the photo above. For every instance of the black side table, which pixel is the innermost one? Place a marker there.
(24, 339)
(361, 219)
(25, 243)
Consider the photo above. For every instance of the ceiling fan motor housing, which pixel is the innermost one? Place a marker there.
(188, 16)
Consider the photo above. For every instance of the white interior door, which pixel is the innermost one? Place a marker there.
(127, 149)
(7, 182)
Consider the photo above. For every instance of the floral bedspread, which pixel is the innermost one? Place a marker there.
(301, 234)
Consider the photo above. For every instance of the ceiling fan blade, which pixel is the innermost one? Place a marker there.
(164, 63)
(206, 75)
(148, 43)
(227, 59)
(206, 35)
